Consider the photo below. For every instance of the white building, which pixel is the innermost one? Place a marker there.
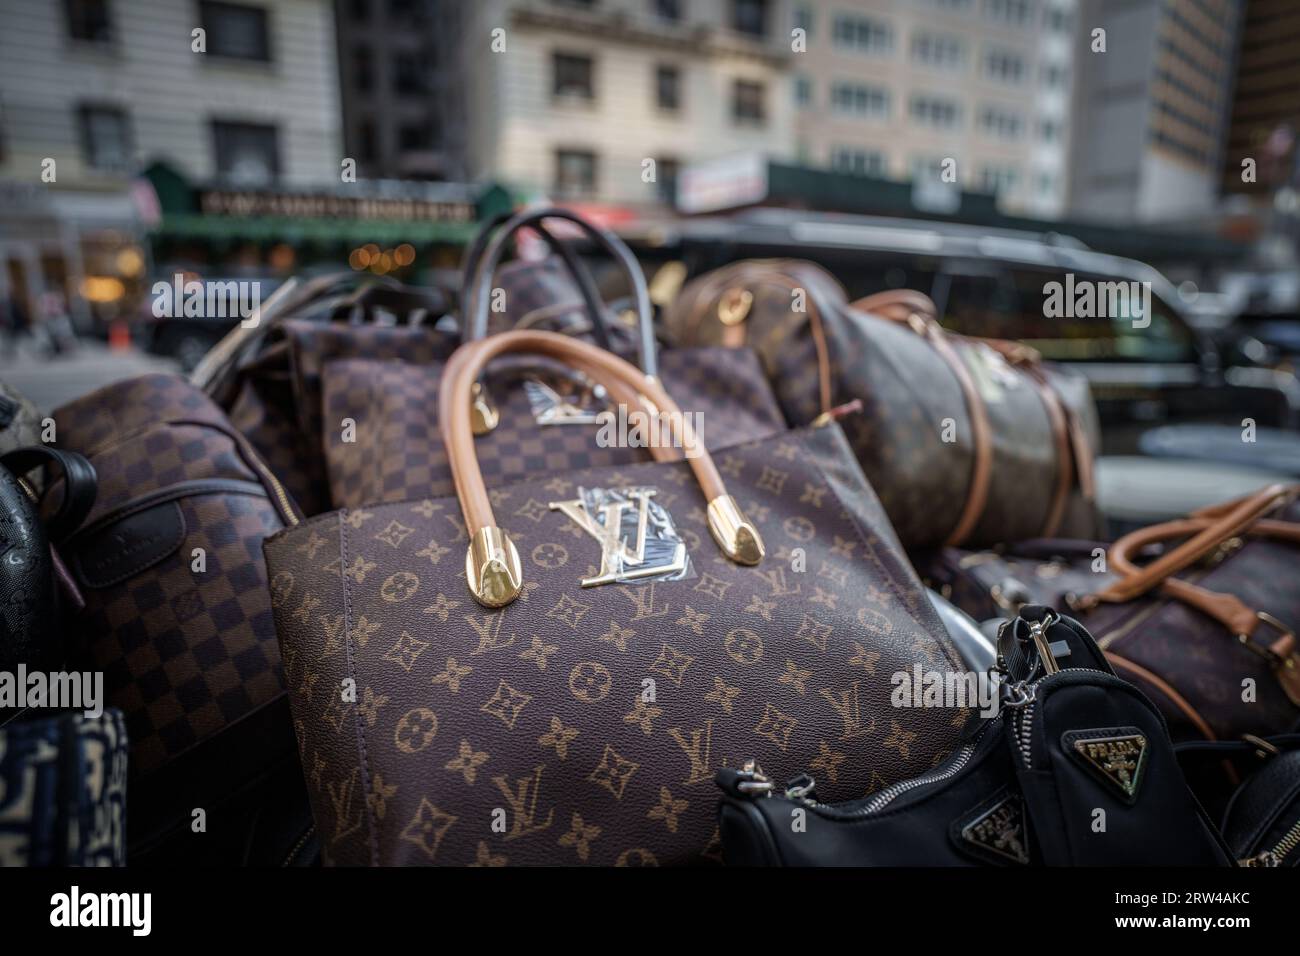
(573, 98)
(895, 87)
(93, 90)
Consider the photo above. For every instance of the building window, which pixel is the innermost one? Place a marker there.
(575, 173)
(572, 75)
(803, 92)
(1049, 130)
(1001, 123)
(668, 9)
(1058, 20)
(749, 17)
(999, 179)
(368, 142)
(747, 102)
(667, 170)
(856, 99)
(105, 138)
(1015, 12)
(1055, 76)
(668, 88)
(247, 153)
(235, 30)
(936, 49)
(859, 162)
(89, 20)
(935, 111)
(1004, 66)
(415, 137)
(803, 20)
(363, 69)
(410, 75)
(863, 34)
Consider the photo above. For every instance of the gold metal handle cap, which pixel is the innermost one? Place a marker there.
(492, 568)
(483, 415)
(735, 534)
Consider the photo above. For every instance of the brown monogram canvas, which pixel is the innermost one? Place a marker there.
(396, 452)
(535, 716)
(185, 653)
(1186, 662)
(908, 393)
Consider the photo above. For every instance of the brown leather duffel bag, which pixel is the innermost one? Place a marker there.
(1206, 625)
(572, 704)
(966, 440)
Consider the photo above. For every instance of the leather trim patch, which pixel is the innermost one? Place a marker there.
(995, 830)
(1117, 756)
(130, 545)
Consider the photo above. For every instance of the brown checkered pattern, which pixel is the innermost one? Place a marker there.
(398, 452)
(185, 654)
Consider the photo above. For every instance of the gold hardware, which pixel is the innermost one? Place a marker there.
(735, 535)
(733, 306)
(618, 562)
(1263, 749)
(492, 568)
(483, 415)
(667, 282)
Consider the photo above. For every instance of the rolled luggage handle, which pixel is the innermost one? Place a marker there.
(493, 569)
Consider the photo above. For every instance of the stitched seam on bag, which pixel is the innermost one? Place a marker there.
(356, 701)
(943, 640)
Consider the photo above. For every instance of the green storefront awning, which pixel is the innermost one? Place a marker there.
(353, 232)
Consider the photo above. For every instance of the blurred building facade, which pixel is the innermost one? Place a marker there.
(894, 87)
(92, 90)
(572, 99)
(1152, 109)
(1265, 108)
(400, 118)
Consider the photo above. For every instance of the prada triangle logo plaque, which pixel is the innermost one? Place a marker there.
(1117, 756)
(995, 830)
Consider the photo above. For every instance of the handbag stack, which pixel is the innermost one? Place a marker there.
(538, 580)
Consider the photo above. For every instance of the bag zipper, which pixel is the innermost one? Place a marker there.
(1274, 857)
(956, 763)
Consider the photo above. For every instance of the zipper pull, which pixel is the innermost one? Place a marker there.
(800, 787)
(836, 413)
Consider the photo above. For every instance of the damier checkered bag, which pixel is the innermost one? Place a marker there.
(565, 695)
(177, 609)
(967, 441)
(361, 426)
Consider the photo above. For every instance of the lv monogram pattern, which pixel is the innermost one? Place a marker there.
(908, 392)
(540, 717)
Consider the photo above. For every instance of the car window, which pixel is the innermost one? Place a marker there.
(1091, 319)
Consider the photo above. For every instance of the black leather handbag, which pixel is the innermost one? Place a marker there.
(34, 585)
(1076, 768)
(1260, 821)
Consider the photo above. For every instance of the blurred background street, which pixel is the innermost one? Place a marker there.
(976, 150)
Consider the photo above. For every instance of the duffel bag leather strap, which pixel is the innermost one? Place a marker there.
(493, 569)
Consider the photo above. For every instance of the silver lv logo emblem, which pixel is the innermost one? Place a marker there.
(618, 561)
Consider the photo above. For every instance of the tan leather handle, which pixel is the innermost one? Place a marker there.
(493, 569)
(1209, 530)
